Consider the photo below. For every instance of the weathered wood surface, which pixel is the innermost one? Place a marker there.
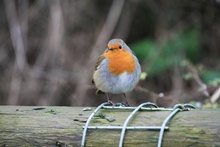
(62, 126)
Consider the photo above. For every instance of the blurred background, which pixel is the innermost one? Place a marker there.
(48, 50)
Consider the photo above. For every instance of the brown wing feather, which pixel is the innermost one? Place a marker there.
(101, 58)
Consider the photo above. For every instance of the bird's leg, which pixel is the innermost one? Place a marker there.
(126, 101)
(109, 101)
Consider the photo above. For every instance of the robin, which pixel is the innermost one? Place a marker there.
(117, 70)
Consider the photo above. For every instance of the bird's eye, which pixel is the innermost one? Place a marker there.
(120, 47)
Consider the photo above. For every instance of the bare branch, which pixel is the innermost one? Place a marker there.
(18, 45)
(104, 36)
(15, 86)
(197, 79)
(16, 34)
(216, 95)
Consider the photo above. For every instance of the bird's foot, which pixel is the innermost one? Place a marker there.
(126, 104)
(111, 103)
(123, 104)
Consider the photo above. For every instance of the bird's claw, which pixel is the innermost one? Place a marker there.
(110, 103)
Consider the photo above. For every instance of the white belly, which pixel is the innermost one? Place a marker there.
(118, 84)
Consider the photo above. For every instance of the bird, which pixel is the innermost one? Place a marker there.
(117, 70)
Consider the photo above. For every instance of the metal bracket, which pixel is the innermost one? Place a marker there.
(144, 106)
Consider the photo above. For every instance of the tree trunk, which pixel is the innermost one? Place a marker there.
(63, 126)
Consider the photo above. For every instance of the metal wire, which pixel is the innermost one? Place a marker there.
(127, 120)
(142, 108)
(177, 108)
(164, 124)
(128, 128)
(88, 121)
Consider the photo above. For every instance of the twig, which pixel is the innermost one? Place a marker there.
(197, 79)
(216, 95)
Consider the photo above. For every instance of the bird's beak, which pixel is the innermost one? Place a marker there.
(112, 46)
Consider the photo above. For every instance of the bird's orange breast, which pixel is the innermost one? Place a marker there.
(120, 61)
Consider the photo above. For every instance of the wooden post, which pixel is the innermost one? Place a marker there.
(62, 126)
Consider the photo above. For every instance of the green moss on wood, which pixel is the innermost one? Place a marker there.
(62, 126)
